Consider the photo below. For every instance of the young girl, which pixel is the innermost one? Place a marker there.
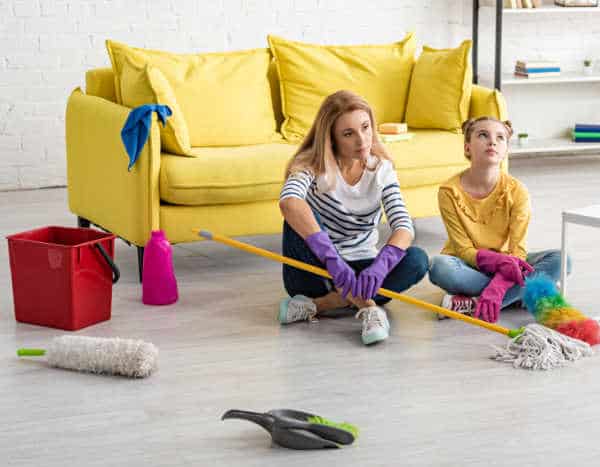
(486, 213)
(331, 202)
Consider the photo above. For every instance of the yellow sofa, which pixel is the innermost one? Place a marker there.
(231, 190)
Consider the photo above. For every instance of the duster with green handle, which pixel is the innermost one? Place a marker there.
(125, 357)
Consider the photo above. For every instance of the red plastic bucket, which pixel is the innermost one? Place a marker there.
(62, 277)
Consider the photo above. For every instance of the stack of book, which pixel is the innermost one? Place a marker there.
(392, 132)
(586, 133)
(522, 3)
(536, 69)
(576, 2)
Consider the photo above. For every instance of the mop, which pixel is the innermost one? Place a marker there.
(125, 357)
(533, 346)
(550, 310)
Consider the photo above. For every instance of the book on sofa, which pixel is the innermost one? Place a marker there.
(394, 138)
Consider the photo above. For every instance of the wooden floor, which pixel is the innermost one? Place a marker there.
(429, 396)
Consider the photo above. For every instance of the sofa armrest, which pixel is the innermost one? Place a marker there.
(486, 101)
(100, 188)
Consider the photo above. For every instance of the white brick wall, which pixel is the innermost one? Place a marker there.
(47, 45)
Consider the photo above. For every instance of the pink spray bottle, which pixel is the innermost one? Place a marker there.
(159, 286)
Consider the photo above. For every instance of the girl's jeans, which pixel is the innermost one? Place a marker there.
(458, 278)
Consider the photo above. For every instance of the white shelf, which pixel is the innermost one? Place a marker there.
(547, 9)
(509, 79)
(551, 146)
(547, 146)
(551, 9)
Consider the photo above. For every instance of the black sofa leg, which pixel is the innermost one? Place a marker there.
(140, 252)
(83, 222)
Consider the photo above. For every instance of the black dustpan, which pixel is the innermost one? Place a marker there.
(290, 429)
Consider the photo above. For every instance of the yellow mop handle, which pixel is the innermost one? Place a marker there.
(386, 293)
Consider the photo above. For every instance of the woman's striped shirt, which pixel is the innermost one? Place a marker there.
(350, 214)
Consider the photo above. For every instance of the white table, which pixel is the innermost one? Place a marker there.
(589, 216)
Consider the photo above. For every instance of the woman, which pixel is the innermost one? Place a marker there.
(331, 201)
(486, 213)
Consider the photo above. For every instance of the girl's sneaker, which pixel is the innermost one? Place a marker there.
(375, 325)
(458, 303)
(297, 308)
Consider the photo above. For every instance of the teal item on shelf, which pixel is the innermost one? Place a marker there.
(586, 134)
(585, 137)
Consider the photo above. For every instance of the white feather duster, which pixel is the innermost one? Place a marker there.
(126, 357)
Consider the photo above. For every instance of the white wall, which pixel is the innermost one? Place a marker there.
(47, 45)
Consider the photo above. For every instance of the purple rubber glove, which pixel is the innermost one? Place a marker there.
(512, 268)
(489, 302)
(343, 275)
(370, 279)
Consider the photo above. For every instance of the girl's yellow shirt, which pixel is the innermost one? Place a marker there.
(497, 222)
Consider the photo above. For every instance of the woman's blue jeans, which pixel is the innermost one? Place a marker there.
(458, 278)
(298, 282)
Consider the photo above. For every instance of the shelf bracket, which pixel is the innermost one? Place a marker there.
(498, 44)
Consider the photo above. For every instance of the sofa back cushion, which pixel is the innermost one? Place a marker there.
(440, 89)
(275, 94)
(486, 101)
(146, 84)
(225, 97)
(308, 73)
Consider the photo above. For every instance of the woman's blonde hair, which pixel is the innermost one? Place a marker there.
(469, 125)
(317, 152)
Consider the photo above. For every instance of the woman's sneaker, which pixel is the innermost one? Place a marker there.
(297, 308)
(375, 325)
(459, 303)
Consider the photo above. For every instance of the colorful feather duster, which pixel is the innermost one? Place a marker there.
(550, 309)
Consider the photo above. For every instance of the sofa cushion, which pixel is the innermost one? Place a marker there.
(308, 73)
(487, 102)
(225, 175)
(146, 84)
(225, 97)
(440, 88)
(429, 158)
(100, 82)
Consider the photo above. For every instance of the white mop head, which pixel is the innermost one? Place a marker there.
(541, 348)
(127, 357)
